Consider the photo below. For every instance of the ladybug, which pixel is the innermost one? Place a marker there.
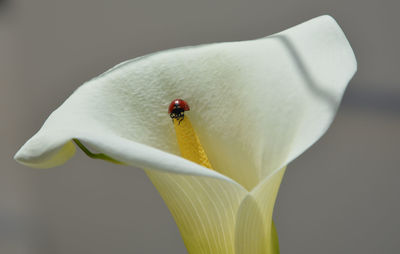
(177, 108)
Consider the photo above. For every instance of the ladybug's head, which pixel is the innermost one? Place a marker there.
(178, 104)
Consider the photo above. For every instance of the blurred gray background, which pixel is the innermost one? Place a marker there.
(341, 196)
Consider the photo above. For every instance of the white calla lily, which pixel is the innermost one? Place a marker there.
(256, 105)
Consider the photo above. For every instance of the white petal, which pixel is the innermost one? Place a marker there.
(58, 149)
(256, 105)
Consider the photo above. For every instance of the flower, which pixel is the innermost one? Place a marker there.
(256, 105)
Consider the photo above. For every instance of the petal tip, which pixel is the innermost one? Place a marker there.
(352, 58)
(29, 155)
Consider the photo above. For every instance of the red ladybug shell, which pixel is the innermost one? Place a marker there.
(178, 103)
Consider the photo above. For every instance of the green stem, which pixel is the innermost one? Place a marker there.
(100, 156)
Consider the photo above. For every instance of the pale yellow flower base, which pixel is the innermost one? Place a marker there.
(212, 215)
